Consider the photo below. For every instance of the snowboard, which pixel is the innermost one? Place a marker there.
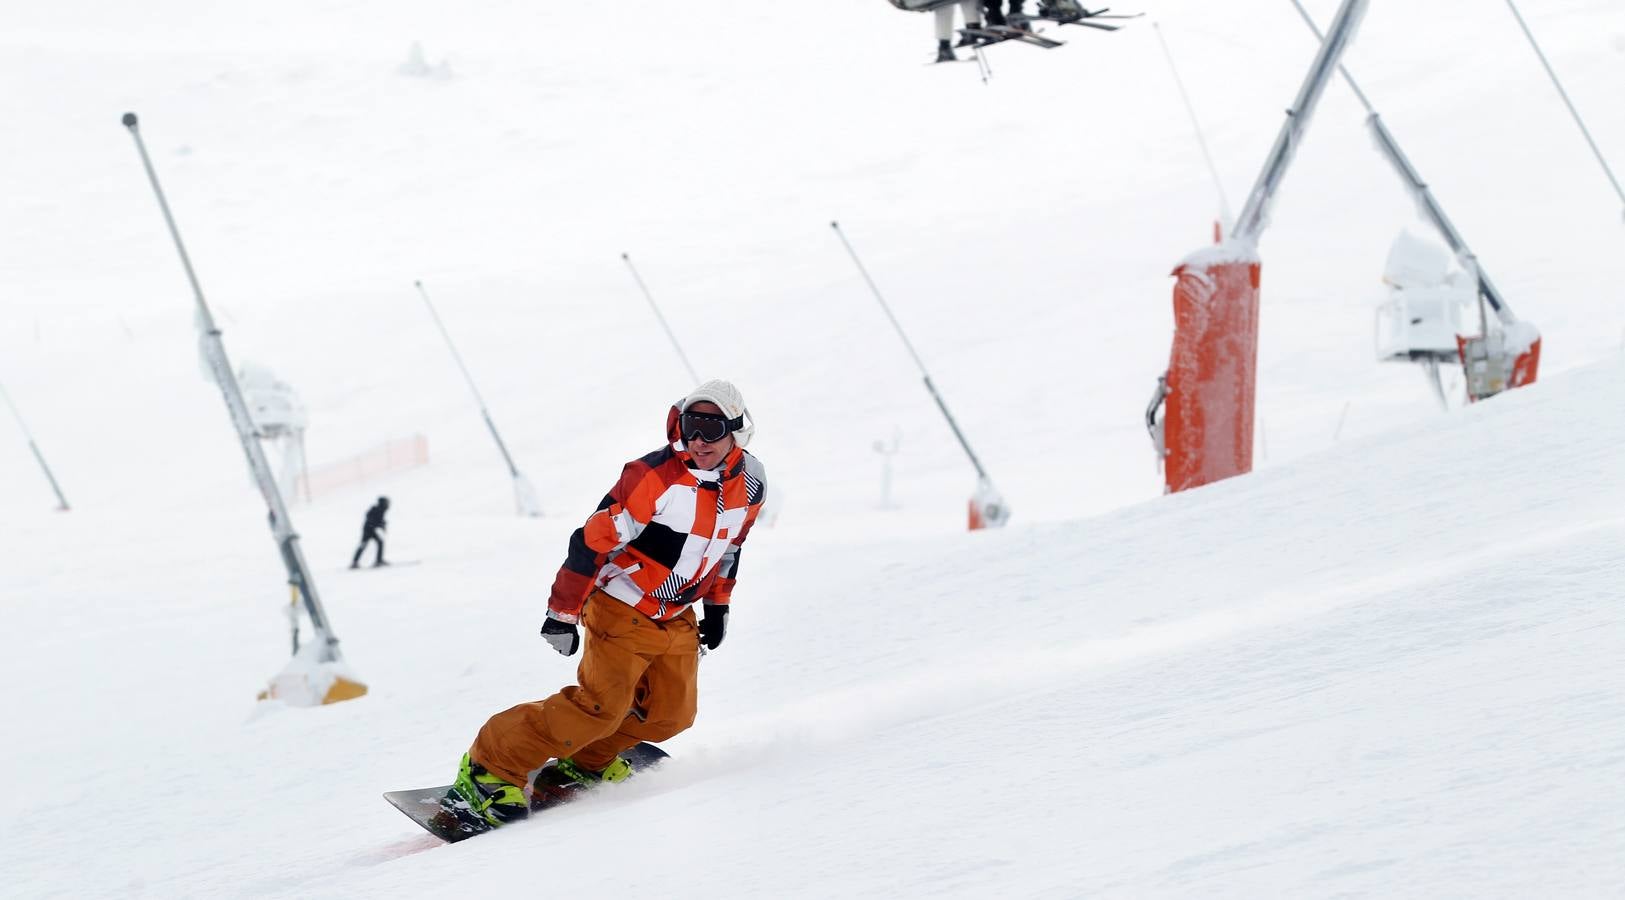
(423, 805)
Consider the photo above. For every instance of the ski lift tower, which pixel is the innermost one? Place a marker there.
(1411, 327)
(1210, 386)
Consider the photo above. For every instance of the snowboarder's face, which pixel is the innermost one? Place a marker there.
(706, 453)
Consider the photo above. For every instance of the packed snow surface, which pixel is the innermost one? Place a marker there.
(1389, 662)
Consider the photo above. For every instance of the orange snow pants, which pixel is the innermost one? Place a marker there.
(637, 682)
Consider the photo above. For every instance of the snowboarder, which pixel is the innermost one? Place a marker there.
(373, 529)
(971, 10)
(665, 539)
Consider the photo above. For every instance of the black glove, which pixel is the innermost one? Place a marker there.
(713, 626)
(564, 636)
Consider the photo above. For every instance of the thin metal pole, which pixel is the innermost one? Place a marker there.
(287, 539)
(484, 413)
(62, 502)
(627, 258)
(1618, 191)
(1196, 125)
(1341, 418)
(953, 425)
(1255, 213)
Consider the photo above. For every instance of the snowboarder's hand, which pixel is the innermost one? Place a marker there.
(713, 626)
(564, 636)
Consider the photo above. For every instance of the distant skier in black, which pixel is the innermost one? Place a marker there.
(373, 530)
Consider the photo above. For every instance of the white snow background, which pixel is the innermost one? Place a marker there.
(1388, 663)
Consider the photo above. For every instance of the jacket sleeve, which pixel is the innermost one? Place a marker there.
(621, 516)
(722, 588)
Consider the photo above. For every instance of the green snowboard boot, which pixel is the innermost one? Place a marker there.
(487, 797)
(617, 771)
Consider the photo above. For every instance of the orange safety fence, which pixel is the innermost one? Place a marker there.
(387, 458)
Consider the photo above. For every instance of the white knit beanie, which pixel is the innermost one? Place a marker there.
(729, 400)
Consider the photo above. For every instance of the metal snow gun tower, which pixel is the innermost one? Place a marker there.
(987, 507)
(1207, 431)
(316, 675)
(1419, 322)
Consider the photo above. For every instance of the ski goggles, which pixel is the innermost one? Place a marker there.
(707, 427)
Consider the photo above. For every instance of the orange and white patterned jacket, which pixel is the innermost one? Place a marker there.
(665, 535)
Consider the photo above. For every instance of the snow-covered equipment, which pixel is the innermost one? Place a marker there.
(279, 418)
(524, 494)
(1421, 319)
(325, 678)
(1499, 359)
(1426, 304)
(671, 335)
(1208, 423)
(61, 501)
(1495, 359)
(987, 507)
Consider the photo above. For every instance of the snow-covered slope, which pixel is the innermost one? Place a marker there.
(1379, 666)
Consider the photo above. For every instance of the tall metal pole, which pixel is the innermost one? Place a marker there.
(62, 502)
(1418, 188)
(524, 494)
(1254, 214)
(627, 258)
(886, 308)
(281, 525)
(1618, 191)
